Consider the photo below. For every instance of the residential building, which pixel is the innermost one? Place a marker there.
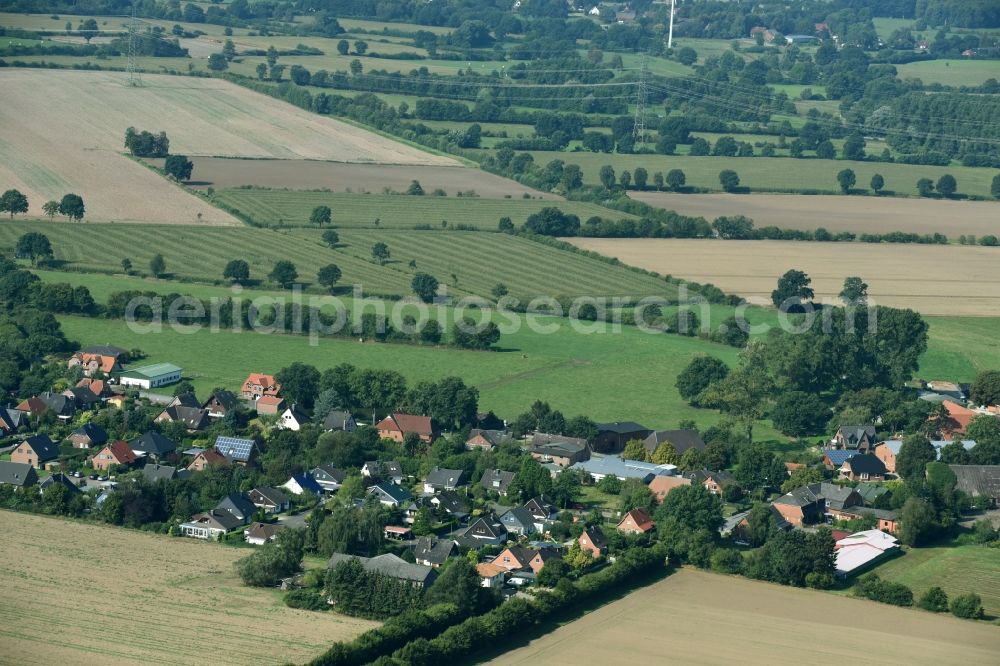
(612, 437)
(341, 420)
(102, 359)
(600, 466)
(714, 482)
(959, 418)
(193, 418)
(153, 445)
(661, 485)
(390, 470)
(515, 557)
(443, 479)
(270, 500)
(593, 541)
(239, 505)
(636, 521)
(392, 566)
(834, 458)
(486, 531)
(11, 421)
(221, 404)
(269, 405)
(487, 440)
(98, 387)
(858, 438)
(540, 509)
(397, 533)
(64, 408)
(293, 418)
(861, 550)
(886, 521)
(888, 450)
(60, 479)
(154, 472)
(210, 524)
(863, 467)
(88, 435)
(978, 480)
(82, 398)
(116, 453)
(431, 552)
(35, 451)
(682, 440)
(519, 521)
(497, 481)
(19, 475)
(559, 450)
(258, 385)
(450, 503)
(738, 525)
(237, 450)
(301, 484)
(491, 575)
(151, 376)
(260, 533)
(205, 459)
(390, 494)
(810, 504)
(397, 425)
(328, 477)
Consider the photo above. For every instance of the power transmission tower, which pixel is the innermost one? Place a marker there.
(133, 36)
(670, 34)
(639, 127)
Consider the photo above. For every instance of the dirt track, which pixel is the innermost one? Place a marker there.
(694, 617)
(856, 214)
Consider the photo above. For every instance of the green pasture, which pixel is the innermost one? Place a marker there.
(951, 72)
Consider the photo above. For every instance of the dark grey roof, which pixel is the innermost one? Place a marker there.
(596, 536)
(866, 464)
(58, 403)
(237, 504)
(272, 495)
(227, 399)
(397, 494)
(557, 445)
(435, 551)
(390, 565)
(338, 419)
(328, 472)
(497, 480)
(95, 433)
(153, 443)
(621, 427)
(45, 449)
(10, 420)
(105, 350)
(827, 493)
(84, 397)
(445, 478)
(681, 439)
(187, 399)
(485, 529)
(855, 433)
(218, 518)
(61, 479)
(494, 437)
(154, 472)
(978, 479)
(298, 413)
(539, 507)
(195, 418)
(451, 502)
(519, 517)
(17, 474)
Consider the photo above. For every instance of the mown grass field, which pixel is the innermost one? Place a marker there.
(467, 262)
(776, 173)
(955, 569)
(76, 593)
(395, 211)
(951, 72)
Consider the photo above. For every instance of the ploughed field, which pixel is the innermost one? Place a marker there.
(77, 593)
(694, 617)
(859, 215)
(932, 279)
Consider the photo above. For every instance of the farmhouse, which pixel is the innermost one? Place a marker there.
(682, 440)
(864, 467)
(151, 376)
(392, 566)
(612, 437)
(397, 425)
(858, 438)
(19, 475)
(116, 453)
(103, 359)
(487, 440)
(559, 450)
(258, 385)
(35, 451)
(978, 480)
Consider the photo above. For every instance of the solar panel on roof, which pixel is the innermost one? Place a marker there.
(234, 447)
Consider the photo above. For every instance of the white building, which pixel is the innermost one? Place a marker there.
(862, 549)
(151, 376)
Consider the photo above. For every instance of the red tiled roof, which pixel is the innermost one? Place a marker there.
(641, 519)
(270, 400)
(122, 452)
(32, 405)
(105, 363)
(405, 423)
(271, 387)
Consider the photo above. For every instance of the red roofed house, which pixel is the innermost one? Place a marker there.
(636, 521)
(115, 453)
(962, 416)
(270, 405)
(206, 459)
(661, 485)
(258, 385)
(93, 363)
(592, 541)
(33, 406)
(396, 426)
(97, 386)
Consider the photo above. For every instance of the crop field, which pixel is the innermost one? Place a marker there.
(777, 173)
(466, 262)
(91, 594)
(951, 72)
(694, 617)
(932, 279)
(267, 207)
(955, 569)
(223, 173)
(839, 213)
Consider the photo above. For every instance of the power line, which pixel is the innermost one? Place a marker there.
(639, 126)
(131, 69)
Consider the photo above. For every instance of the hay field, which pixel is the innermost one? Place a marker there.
(932, 279)
(694, 617)
(91, 594)
(222, 173)
(839, 213)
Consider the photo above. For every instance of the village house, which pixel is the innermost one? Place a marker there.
(153, 445)
(486, 531)
(293, 418)
(636, 521)
(210, 524)
(487, 440)
(193, 418)
(491, 575)
(681, 440)
(810, 504)
(431, 552)
(714, 482)
(151, 376)
(593, 541)
(959, 418)
(328, 477)
(390, 470)
(885, 520)
(62, 480)
(863, 467)
(82, 398)
(497, 481)
(98, 387)
(258, 385)
(116, 453)
(19, 475)
(449, 503)
(888, 450)
(397, 533)
(339, 420)
(11, 421)
(153, 472)
(390, 494)
(392, 566)
(239, 505)
(518, 558)
(300, 484)
(397, 425)
(205, 459)
(519, 520)
(260, 533)
(270, 500)
(978, 481)
(237, 450)
(738, 525)
(221, 404)
(269, 405)
(35, 451)
(443, 479)
(612, 437)
(857, 438)
(834, 458)
(88, 435)
(661, 485)
(559, 450)
(100, 359)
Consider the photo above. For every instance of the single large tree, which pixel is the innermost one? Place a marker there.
(329, 275)
(846, 179)
(284, 273)
(699, 374)
(157, 265)
(321, 216)
(380, 253)
(72, 207)
(855, 291)
(676, 179)
(178, 167)
(947, 185)
(425, 286)
(237, 270)
(299, 383)
(33, 246)
(50, 208)
(914, 454)
(793, 289)
(986, 388)
(729, 180)
(13, 202)
(331, 238)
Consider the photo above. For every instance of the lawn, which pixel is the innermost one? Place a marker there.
(955, 569)
(267, 207)
(774, 173)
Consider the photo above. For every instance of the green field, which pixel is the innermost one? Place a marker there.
(776, 173)
(955, 569)
(951, 72)
(394, 211)
(467, 262)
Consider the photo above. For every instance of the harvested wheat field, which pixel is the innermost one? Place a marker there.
(75, 593)
(932, 279)
(223, 173)
(859, 215)
(694, 617)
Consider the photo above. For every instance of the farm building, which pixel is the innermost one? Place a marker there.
(151, 376)
(862, 549)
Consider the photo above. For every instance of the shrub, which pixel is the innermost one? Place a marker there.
(968, 606)
(306, 600)
(934, 600)
(874, 588)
